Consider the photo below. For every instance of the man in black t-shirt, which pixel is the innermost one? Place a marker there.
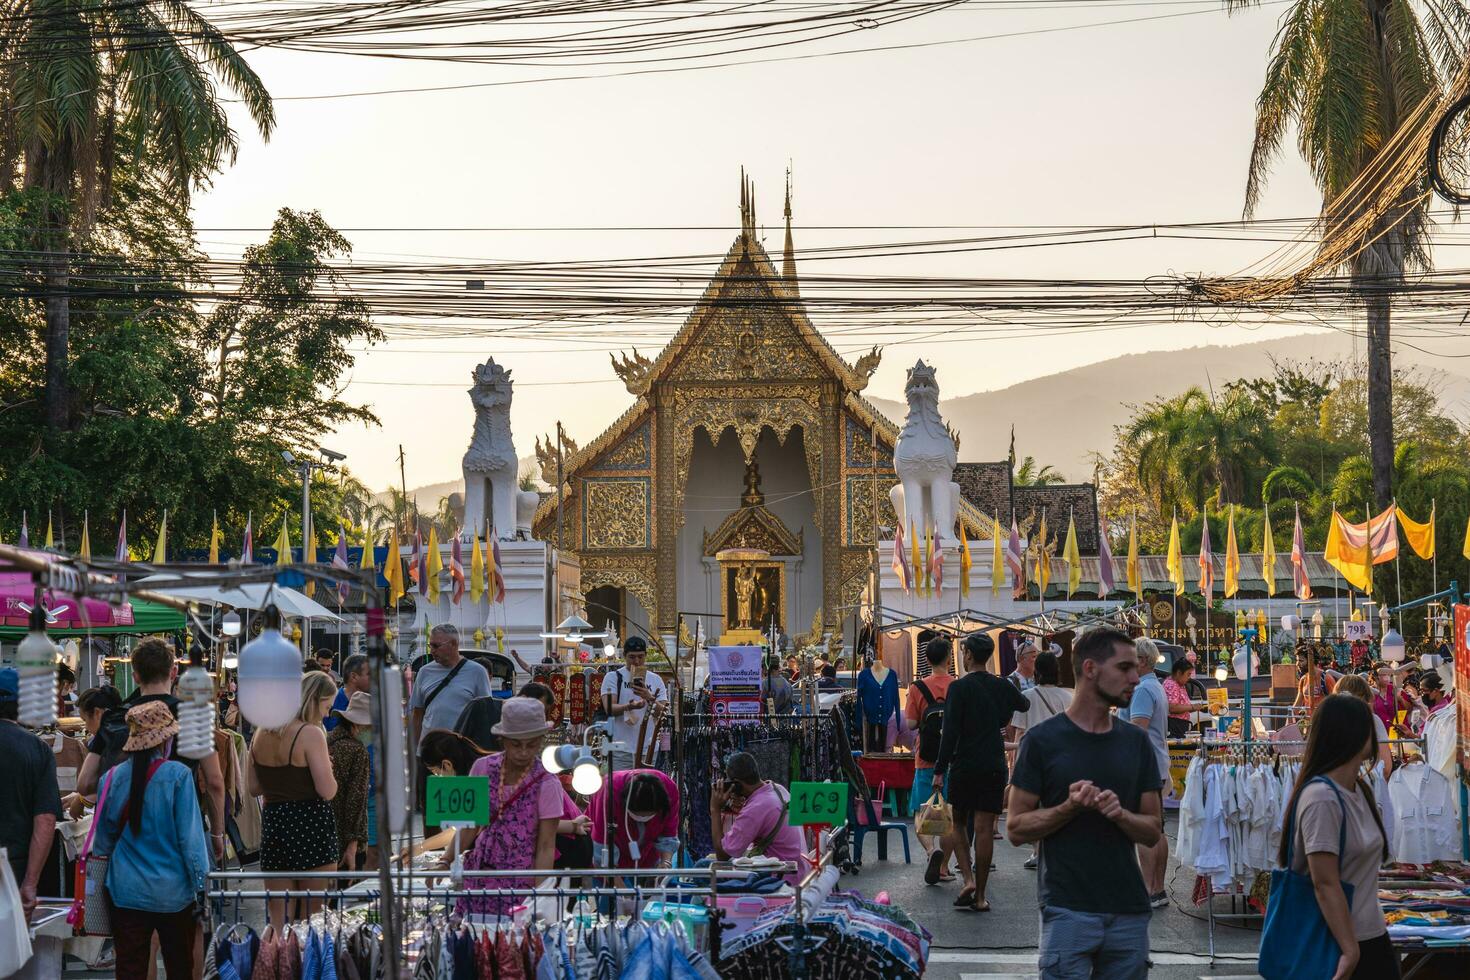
(1086, 788)
(29, 801)
(972, 764)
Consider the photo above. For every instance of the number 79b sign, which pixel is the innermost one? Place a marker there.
(824, 803)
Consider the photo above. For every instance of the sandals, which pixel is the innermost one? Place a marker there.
(965, 899)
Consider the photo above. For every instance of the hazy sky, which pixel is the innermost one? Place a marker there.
(1136, 122)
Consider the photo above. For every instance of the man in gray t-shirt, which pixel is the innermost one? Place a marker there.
(445, 684)
(1149, 710)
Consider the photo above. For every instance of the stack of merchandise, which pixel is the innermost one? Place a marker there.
(859, 940)
(1427, 904)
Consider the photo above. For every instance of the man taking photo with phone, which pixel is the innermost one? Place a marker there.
(629, 695)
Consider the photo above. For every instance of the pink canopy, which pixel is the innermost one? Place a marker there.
(63, 611)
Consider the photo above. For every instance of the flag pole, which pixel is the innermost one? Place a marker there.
(1398, 577)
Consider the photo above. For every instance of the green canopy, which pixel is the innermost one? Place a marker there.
(148, 617)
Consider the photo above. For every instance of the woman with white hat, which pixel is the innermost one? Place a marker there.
(525, 805)
(148, 821)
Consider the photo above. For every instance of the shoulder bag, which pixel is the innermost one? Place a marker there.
(91, 909)
(758, 847)
(429, 698)
(1296, 943)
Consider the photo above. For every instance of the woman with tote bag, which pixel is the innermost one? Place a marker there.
(1323, 919)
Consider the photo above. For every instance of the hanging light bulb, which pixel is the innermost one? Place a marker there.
(559, 758)
(229, 624)
(35, 662)
(587, 776)
(1392, 646)
(270, 675)
(196, 713)
(229, 661)
(1220, 673)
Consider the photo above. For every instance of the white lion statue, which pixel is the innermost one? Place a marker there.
(493, 500)
(925, 458)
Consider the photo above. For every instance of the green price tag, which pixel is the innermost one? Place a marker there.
(818, 803)
(457, 801)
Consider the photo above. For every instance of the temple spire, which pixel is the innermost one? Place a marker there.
(788, 257)
(747, 209)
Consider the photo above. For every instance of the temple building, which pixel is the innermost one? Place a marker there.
(748, 431)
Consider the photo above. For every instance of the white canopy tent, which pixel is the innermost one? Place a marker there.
(253, 595)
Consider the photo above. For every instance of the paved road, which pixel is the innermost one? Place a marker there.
(1002, 942)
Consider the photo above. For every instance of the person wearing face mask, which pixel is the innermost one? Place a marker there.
(352, 769)
(643, 808)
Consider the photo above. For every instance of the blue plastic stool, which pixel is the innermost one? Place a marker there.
(881, 828)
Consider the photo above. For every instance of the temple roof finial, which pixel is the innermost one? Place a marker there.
(788, 259)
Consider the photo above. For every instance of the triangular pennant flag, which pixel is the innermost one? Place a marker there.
(86, 552)
(1105, 580)
(366, 562)
(1135, 578)
(1043, 557)
(215, 537)
(997, 557)
(393, 568)
(1072, 557)
(1232, 558)
(1016, 560)
(965, 561)
(1206, 558)
(283, 544)
(160, 549)
(456, 571)
(1175, 558)
(122, 539)
(901, 560)
(477, 570)
(435, 565)
(497, 582)
(308, 557)
(50, 536)
(247, 547)
(25, 531)
(1301, 582)
(339, 560)
(1268, 554)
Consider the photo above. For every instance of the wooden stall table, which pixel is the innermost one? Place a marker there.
(894, 770)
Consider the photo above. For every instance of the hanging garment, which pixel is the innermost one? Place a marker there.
(1425, 822)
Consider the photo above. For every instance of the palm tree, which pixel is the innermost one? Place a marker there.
(1193, 447)
(83, 82)
(1032, 474)
(1345, 74)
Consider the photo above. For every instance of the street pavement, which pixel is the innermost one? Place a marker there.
(1001, 943)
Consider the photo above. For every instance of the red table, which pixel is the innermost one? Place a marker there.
(891, 770)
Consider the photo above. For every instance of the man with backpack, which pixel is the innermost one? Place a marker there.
(924, 712)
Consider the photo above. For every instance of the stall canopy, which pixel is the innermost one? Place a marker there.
(254, 595)
(148, 617)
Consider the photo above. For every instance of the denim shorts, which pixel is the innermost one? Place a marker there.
(923, 788)
(1093, 945)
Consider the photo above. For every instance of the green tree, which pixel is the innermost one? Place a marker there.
(1345, 74)
(1193, 447)
(85, 84)
(1032, 474)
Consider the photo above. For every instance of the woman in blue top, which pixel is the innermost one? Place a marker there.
(149, 822)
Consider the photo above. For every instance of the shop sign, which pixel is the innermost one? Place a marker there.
(735, 684)
(820, 803)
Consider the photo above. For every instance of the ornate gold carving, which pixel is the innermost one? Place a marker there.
(616, 513)
(746, 335)
(753, 527)
(857, 514)
(633, 371)
(761, 569)
(634, 573)
(633, 453)
(867, 364)
(546, 456)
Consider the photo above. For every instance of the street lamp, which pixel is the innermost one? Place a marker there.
(1392, 646)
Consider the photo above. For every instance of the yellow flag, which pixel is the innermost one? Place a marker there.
(1419, 536)
(997, 559)
(915, 548)
(477, 570)
(1232, 557)
(1352, 563)
(309, 557)
(1268, 556)
(1466, 549)
(1175, 557)
(964, 561)
(50, 538)
(393, 568)
(435, 565)
(367, 550)
(283, 545)
(1135, 581)
(1073, 558)
(214, 540)
(86, 551)
(928, 560)
(160, 550)
(1043, 561)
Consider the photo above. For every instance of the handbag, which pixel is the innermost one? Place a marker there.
(1296, 943)
(91, 909)
(935, 818)
(15, 935)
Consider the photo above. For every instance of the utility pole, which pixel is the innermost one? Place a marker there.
(403, 487)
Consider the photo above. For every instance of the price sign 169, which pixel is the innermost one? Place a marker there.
(823, 803)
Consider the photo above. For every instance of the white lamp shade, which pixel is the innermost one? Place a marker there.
(229, 624)
(1392, 646)
(1290, 623)
(587, 778)
(1244, 662)
(558, 758)
(270, 680)
(1220, 673)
